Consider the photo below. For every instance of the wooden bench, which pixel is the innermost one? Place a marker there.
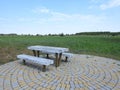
(37, 60)
(67, 55)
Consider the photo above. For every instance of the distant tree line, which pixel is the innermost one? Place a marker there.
(11, 34)
(62, 34)
(98, 33)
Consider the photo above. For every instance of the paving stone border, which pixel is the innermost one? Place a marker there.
(82, 72)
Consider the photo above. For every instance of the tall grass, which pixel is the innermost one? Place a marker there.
(107, 46)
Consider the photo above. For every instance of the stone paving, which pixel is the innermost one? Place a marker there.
(82, 72)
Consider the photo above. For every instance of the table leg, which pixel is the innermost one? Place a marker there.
(34, 52)
(56, 61)
(59, 59)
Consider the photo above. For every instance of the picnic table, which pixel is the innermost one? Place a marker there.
(49, 50)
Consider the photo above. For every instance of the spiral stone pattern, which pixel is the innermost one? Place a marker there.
(82, 72)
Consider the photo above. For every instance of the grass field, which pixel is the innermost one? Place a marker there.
(107, 46)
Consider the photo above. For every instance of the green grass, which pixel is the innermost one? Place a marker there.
(106, 46)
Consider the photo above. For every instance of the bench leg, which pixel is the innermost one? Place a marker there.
(47, 56)
(24, 62)
(34, 52)
(44, 68)
(66, 59)
(38, 53)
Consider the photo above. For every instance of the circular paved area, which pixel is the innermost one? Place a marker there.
(82, 72)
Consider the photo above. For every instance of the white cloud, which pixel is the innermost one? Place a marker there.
(3, 19)
(110, 4)
(21, 19)
(50, 15)
(95, 1)
(41, 10)
(24, 19)
(58, 17)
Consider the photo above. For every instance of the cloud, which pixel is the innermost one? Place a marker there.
(21, 19)
(51, 15)
(3, 19)
(58, 16)
(95, 1)
(110, 4)
(41, 10)
(47, 16)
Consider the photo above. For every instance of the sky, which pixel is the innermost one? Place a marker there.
(59, 16)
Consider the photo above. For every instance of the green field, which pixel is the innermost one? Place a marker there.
(107, 46)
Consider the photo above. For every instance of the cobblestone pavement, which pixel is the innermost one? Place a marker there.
(82, 72)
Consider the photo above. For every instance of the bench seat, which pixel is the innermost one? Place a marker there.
(43, 61)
